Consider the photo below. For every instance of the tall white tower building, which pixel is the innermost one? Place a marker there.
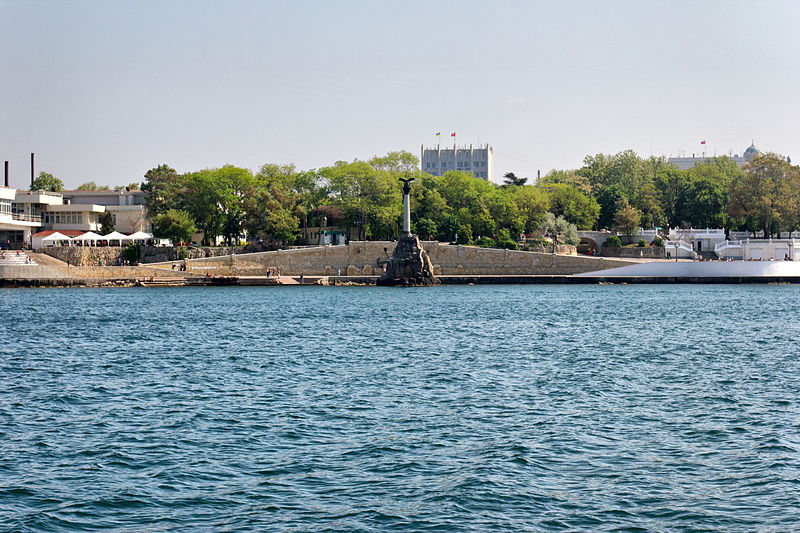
(478, 161)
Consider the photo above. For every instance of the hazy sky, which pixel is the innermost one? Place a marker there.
(105, 90)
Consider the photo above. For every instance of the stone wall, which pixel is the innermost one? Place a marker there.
(636, 251)
(366, 258)
(76, 272)
(561, 249)
(111, 255)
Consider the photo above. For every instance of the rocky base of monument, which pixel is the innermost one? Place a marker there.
(409, 265)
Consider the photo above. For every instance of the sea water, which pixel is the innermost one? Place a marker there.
(469, 408)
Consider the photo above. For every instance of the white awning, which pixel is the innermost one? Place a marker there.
(115, 236)
(140, 236)
(56, 237)
(89, 236)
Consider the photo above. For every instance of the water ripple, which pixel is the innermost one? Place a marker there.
(507, 408)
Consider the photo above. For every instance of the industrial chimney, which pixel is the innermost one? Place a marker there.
(6, 173)
(31, 170)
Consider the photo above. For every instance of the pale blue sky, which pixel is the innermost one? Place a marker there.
(105, 90)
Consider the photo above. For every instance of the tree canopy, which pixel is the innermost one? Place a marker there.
(92, 186)
(174, 225)
(610, 191)
(47, 182)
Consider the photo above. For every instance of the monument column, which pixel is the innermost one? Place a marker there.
(407, 208)
(409, 265)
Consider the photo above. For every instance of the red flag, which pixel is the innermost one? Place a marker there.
(702, 142)
(453, 134)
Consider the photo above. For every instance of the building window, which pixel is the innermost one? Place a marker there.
(5, 207)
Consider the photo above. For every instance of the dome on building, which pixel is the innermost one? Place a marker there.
(751, 152)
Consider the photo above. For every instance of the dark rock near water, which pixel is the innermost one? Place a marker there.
(409, 265)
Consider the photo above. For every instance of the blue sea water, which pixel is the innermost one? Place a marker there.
(485, 408)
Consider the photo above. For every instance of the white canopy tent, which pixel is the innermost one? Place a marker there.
(116, 236)
(56, 239)
(88, 237)
(140, 236)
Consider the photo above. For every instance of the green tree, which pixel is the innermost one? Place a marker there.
(609, 199)
(567, 177)
(47, 182)
(106, 223)
(92, 186)
(167, 189)
(371, 199)
(576, 207)
(401, 162)
(672, 186)
(559, 230)
(766, 194)
(425, 228)
(135, 186)
(511, 180)
(215, 198)
(175, 225)
(625, 171)
(627, 218)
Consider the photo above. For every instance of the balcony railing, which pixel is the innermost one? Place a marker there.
(26, 218)
(43, 193)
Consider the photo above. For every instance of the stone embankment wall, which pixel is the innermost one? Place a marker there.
(561, 249)
(366, 258)
(111, 255)
(39, 272)
(636, 251)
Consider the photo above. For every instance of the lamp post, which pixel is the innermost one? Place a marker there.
(676, 251)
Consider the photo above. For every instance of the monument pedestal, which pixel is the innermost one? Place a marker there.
(409, 265)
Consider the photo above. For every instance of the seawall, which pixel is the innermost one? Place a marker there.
(366, 258)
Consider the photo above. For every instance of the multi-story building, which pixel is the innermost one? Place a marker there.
(477, 161)
(22, 213)
(127, 207)
(16, 226)
(685, 163)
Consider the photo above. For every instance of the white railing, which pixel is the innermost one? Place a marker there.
(726, 245)
(669, 246)
(739, 235)
(41, 192)
(26, 217)
(742, 244)
(697, 233)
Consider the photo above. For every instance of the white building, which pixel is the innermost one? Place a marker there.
(23, 213)
(759, 249)
(127, 208)
(685, 163)
(701, 240)
(477, 161)
(15, 227)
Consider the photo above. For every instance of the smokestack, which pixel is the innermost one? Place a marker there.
(6, 173)
(31, 169)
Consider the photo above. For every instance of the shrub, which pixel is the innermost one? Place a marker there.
(613, 242)
(508, 244)
(658, 241)
(132, 253)
(642, 243)
(537, 242)
(486, 242)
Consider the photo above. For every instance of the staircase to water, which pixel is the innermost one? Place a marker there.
(15, 258)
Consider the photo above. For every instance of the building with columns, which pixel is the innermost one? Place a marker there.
(477, 161)
(685, 163)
